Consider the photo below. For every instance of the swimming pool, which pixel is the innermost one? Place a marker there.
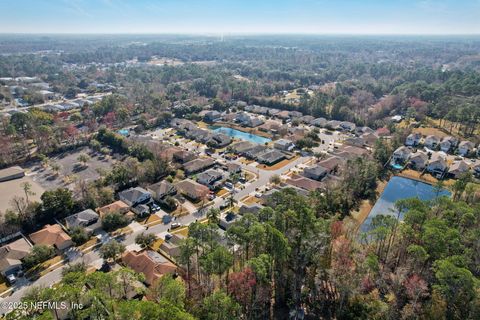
(241, 135)
(124, 132)
(400, 188)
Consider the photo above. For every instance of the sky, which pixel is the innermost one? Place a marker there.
(241, 16)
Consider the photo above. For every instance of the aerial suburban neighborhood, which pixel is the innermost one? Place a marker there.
(220, 175)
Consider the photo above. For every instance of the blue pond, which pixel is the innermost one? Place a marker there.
(400, 188)
(241, 135)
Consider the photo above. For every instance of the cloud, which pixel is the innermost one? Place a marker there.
(77, 7)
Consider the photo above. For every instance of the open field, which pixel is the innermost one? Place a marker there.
(12, 188)
(71, 169)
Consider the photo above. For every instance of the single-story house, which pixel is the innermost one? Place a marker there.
(184, 156)
(333, 125)
(242, 146)
(402, 154)
(448, 143)
(192, 189)
(11, 256)
(307, 119)
(52, 235)
(250, 208)
(83, 218)
(315, 173)
(171, 247)
(347, 125)
(361, 130)
(284, 145)
(465, 147)
(383, 132)
(437, 163)
(198, 165)
(115, 207)
(413, 139)
(331, 164)
(304, 183)
(432, 141)
(319, 122)
(11, 173)
(220, 140)
(458, 168)
(369, 138)
(161, 189)
(212, 116)
(135, 196)
(209, 178)
(152, 264)
(270, 157)
(419, 160)
(255, 151)
(233, 167)
(227, 221)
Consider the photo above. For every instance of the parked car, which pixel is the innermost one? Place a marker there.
(228, 185)
(211, 196)
(168, 236)
(224, 205)
(258, 195)
(176, 225)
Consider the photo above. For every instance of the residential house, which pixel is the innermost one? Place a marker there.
(361, 130)
(418, 160)
(333, 125)
(254, 152)
(432, 141)
(213, 116)
(152, 264)
(307, 119)
(465, 147)
(52, 235)
(437, 163)
(11, 256)
(284, 145)
(233, 168)
(191, 189)
(413, 139)
(315, 173)
(115, 207)
(210, 178)
(448, 143)
(272, 126)
(220, 140)
(242, 146)
(135, 196)
(304, 183)
(270, 157)
(226, 222)
(458, 168)
(171, 247)
(295, 114)
(332, 164)
(253, 208)
(184, 156)
(383, 132)
(283, 115)
(161, 189)
(355, 141)
(347, 126)
(319, 122)
(369, 138)
(198, 165)
(401, 155)
(83, 219)
(253, 122)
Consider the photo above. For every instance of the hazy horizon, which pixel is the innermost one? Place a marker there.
(247, 17)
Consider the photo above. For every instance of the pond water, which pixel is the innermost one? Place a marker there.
(240, 135)
(400, 188)
(124, 132)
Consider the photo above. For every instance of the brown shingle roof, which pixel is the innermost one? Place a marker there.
(51, 235)
(152, 264)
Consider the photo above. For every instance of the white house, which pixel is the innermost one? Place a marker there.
(458, 168)
(431, 141)
(402, 154)
(413, 139)
(437, 163)
(448, 143)
(419, 160)
(465, 147)
(284, 145)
